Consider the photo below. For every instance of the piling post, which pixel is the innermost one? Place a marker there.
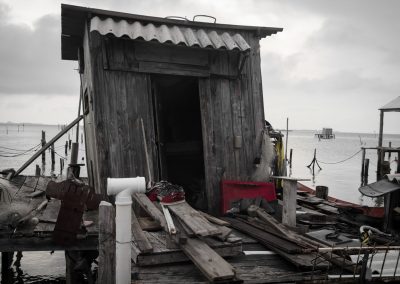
(106, 272)
(289, 199)
(398, 162)
(290, 158)
(390, 153)
(6, 273)
(53, 161)
(66, 148)
(362, 166)
(69, 144)
(61, 165)
(37, 171)
(43, 141)
(366, 170)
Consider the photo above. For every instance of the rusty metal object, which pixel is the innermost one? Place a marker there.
(75, 198)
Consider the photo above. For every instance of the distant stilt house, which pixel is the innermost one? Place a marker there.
(167, 99)
(327, 133)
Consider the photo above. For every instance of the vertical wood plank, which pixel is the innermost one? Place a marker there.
(289, 203)
(106, 273)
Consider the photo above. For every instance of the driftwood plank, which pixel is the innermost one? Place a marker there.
(148, 224)
(139, 237)
(211, 264)
(214, 220)
(150, 208)
(193, 219)
(162, 255)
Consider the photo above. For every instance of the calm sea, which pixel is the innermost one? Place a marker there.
(342, 178)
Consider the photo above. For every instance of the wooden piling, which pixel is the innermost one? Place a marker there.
(362, 166)
(6, 272)
(390, 153)
(71, 275)
(74, 153)
(53, 161)
(290, 158)
(366, 170)
(66, 148)
(398, 162)
(61, 165)
(69, 144)
(37, 171)
(106, 272)
(43, 141)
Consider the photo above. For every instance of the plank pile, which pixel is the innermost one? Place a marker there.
(187, 234)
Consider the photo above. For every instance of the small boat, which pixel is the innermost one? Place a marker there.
(373, 213)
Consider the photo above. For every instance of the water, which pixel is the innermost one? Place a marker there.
(37, 267)
(28, 137)
(343, 179)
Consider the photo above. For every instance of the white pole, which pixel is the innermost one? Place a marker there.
(124, 188)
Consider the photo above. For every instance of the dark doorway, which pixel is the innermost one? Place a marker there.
(179, 134)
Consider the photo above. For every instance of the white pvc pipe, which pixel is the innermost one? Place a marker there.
(123, 188)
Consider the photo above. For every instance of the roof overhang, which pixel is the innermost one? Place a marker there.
(393, 105)
(73, 20)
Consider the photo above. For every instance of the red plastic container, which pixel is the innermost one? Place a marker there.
(234, 190)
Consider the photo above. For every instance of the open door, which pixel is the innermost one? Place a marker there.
(179, 134)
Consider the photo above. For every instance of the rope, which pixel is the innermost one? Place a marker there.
(342, 161)
(60, 156)
(25, 152)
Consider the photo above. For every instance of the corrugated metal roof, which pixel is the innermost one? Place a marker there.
(174, 34)
(392, 105)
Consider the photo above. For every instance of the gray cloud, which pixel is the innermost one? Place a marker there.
(31, 61)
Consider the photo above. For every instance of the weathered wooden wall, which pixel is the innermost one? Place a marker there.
(231, 106)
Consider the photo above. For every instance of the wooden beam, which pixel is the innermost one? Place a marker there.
(193, 219)
(47, 145)
(211, 264)
(151, 209)
(289, 203)
(106, 272)
(139, 237)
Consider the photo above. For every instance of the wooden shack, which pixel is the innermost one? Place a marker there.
(167, 99)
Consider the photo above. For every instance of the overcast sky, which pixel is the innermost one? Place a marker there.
(334, 65)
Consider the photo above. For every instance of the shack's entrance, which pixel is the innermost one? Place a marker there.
(179, 134)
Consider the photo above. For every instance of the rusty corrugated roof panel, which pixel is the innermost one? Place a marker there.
(178, 35)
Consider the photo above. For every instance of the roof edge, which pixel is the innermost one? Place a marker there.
(261, 31)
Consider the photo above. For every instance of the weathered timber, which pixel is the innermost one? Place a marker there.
(193, 219)
(139, 236)
(214, 220)
(45, 244)
(151, 209)
(148, 224)
(270, 240)
(106, 273)
(211, 264)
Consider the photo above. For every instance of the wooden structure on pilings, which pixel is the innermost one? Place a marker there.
(196, 86)
(327, 133)
(392, 106)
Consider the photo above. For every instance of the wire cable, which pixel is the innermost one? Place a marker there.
(342, 161)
